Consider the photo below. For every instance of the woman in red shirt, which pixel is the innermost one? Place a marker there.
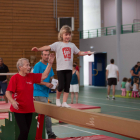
(20, 94)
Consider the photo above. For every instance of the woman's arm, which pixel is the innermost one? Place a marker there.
(11, 100)
(47, 71)
(41, 49)
(132, 73)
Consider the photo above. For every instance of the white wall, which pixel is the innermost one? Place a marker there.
(109, 13)
(130, 11)
(91, 14)
(86, 61)
(130, 49)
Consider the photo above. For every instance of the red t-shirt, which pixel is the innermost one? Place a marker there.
(77, 68)
(22, 91)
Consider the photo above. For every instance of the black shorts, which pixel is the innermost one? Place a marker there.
(112, 81)
(64, 79)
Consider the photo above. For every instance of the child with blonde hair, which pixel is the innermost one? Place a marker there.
(64, 59)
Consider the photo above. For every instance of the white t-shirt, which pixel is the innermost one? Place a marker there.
(64, 54)
(128, 86)
(112, 70)
(135, 87)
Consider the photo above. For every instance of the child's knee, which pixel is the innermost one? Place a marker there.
(60, 88)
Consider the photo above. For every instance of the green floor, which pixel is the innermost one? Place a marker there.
(122, 107)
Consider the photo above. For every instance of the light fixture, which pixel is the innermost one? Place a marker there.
(91, 47)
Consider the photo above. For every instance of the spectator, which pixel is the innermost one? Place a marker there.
(41, 90)
(112, 74)
(20, 94)
(138, 63)
(133, 68)
(135, 73)
(74, 85)
(3, 78)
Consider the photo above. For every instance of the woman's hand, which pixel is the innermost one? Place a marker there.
(35, 49)
(15, 104)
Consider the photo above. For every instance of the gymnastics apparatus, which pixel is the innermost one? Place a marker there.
(118, 125)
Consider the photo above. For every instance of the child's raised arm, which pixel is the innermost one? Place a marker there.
(81, 53)
(44, 48)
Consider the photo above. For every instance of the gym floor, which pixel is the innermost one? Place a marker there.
(122, 107)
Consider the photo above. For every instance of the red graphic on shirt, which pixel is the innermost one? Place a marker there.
(67, 53)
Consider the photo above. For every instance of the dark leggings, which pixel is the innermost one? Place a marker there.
(64, 79)
(24, 122)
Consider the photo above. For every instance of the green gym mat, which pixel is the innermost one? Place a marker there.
(120, 96)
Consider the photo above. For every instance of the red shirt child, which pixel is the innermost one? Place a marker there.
(22, 91)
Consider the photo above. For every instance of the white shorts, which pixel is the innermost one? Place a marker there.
(74, 88)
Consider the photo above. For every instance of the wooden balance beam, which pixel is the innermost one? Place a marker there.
(118, 125)
(8, 73)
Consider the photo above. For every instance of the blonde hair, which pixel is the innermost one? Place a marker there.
(64, 29)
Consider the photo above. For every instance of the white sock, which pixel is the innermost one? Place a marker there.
(58, 103)
(113, 97)
(64, 104)
(108, 96)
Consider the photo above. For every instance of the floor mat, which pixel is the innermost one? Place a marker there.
(120, 96)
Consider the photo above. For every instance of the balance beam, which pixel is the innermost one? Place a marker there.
(8, 73)
(118, 125)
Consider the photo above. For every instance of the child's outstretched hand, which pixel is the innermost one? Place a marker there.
(51, 58)
(88, 53)
(35, 49)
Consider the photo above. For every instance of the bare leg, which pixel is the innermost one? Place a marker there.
(76, 95)
(113, 90)
(58, 94)
(65, 96)
(108, 90)
(5, 98)
(72, 96)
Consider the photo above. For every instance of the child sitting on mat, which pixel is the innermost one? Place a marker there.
(123, 88)
(128, 87)
(64, 56)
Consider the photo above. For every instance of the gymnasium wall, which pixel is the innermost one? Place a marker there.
(130, 11)
(28, 23)
(130, 50)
